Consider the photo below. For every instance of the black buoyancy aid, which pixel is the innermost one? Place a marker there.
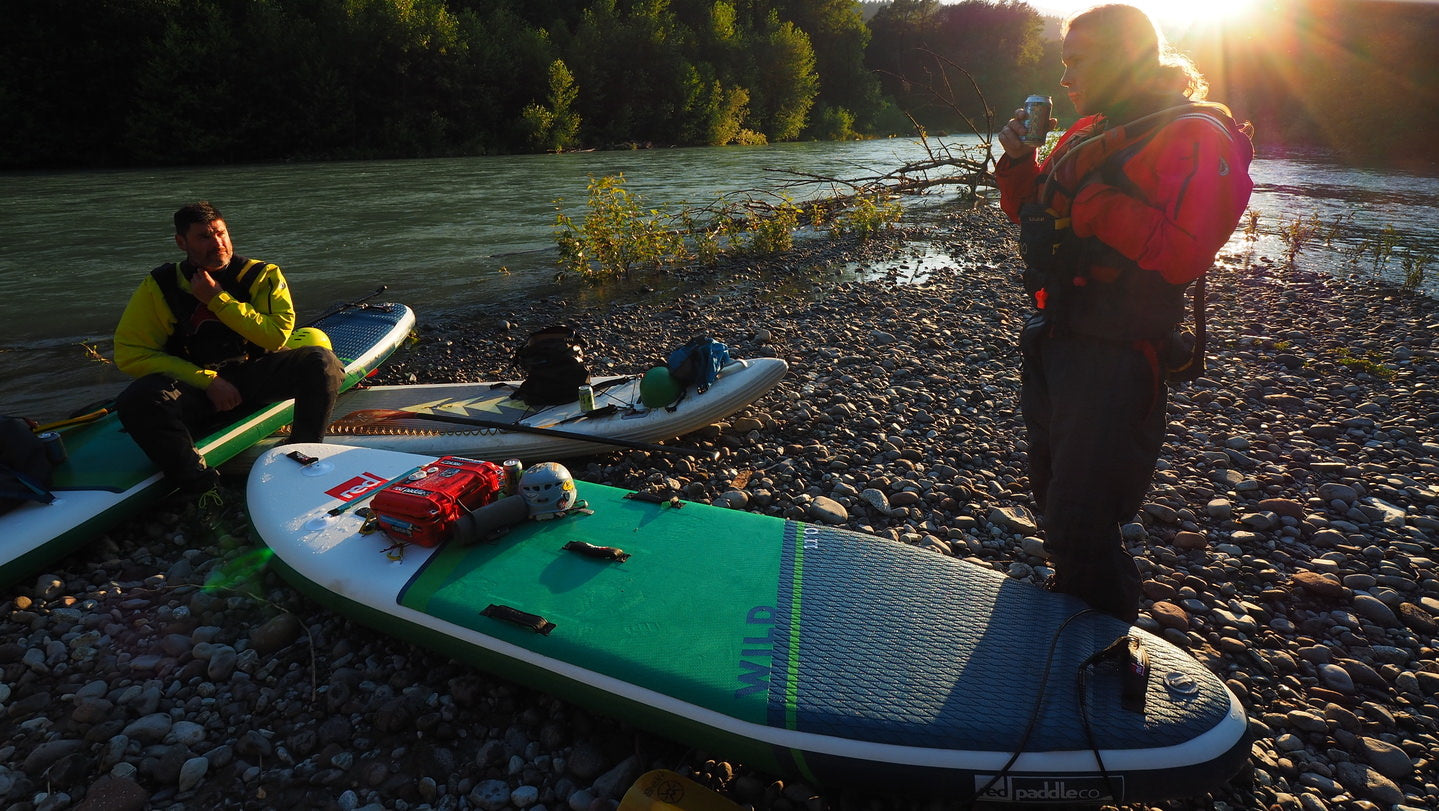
(1137, 304)
(200, 337)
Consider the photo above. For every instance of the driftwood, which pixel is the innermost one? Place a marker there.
(965, 166)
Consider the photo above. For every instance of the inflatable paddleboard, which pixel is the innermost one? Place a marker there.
(106, 476)
(618, 414)
(823, 654)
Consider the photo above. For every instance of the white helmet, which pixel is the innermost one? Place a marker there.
(548, 488)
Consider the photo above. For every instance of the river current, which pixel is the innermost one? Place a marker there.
(467, 233)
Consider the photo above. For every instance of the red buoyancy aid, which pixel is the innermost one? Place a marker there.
(1140, 210)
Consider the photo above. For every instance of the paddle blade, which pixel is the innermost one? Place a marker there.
(72, 421)
(663, 790)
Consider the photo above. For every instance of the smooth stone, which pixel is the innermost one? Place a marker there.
(1320, 585)
(1374, 610)
(1336, 678)
(828, 510)
(1014, 519)
(1388, 759)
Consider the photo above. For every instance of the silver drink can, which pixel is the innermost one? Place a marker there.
(54, 446)
(513, 468)
(1038, 110)
(587, 398)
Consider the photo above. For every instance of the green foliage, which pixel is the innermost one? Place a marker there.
(126, 82)
(1251, 225)
(772, 231)
(786, 85)
(554, 128)
(749, 138)
(834, 124)
(714, 114)
(112, 82)
(1302, 232)
(618, 233)
(1370, 363)
(1381, 248)
(1415, 267)
(866, 215)
(999, 44)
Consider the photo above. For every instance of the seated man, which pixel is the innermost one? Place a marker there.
(204, 338)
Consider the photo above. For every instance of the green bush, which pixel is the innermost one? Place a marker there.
(617, 234)
(865, 215)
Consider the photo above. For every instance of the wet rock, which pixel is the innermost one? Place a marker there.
(1368, 783)
(276, 633)
(1388, 759)
(828, 510)
(1319, 585)
(1014, 519)
(110, 793)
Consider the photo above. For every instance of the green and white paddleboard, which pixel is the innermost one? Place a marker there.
(824, 654)
(107, 478)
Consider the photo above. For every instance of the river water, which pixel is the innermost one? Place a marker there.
(74, 245)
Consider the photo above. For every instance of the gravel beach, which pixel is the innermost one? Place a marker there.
(1288, 542)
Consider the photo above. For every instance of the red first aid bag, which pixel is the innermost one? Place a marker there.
(423, 509)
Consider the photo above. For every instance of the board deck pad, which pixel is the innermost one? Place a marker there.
(800, 651)
(832, 655)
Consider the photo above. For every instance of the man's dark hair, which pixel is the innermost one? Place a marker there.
(195, 212)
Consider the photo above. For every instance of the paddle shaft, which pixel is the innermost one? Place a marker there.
(530, 429)
(343, 508)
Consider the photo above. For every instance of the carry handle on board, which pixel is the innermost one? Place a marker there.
(514, 616)
(373, 415)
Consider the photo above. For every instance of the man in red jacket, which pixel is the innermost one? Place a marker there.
(1131, 206)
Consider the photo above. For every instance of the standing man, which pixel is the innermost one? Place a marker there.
(205, 337)
(1130, 207)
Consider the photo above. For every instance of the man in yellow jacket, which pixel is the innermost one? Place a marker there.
(204, 338)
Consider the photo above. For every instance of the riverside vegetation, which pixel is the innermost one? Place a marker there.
(355, 79)
(1288, 542)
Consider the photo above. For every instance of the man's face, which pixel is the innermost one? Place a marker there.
(1095, 79)
(207, 245)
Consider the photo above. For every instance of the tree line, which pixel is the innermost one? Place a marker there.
(94, 83)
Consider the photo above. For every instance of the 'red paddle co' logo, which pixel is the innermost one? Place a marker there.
(356, 487)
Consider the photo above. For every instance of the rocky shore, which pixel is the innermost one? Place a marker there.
(1288, 542)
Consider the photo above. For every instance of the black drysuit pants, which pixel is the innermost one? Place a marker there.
(162, 415)
(1094, 411)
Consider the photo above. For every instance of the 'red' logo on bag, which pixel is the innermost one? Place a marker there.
(356, 487)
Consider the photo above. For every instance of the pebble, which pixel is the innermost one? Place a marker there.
(1288, 541)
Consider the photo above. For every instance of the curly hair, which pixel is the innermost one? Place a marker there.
(1128, 31)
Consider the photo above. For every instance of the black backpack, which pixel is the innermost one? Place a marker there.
(553, 362)
(25, 467)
